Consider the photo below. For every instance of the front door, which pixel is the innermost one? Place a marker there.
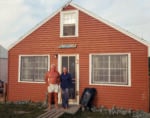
(71, 62)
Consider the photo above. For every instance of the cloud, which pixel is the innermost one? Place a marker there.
(96, 6)
(8, 13)
(19, 16)
(12, 17)
(132, 15)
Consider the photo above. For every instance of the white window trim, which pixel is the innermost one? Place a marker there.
(103, 84)
(20, 67)
(76, 25)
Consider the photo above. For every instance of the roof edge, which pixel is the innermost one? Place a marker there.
(122, 30)
(34, 28)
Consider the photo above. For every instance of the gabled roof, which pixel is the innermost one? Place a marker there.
(90, 14)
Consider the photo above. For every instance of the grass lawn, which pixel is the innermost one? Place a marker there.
(88, 114)
(31, 110)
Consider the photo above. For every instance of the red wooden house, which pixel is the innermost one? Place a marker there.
(97, 53)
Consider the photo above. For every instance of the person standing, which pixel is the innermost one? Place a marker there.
(52, 80)
(65, 83)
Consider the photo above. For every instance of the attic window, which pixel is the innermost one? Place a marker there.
(69, 23)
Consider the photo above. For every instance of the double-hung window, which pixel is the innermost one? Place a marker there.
(69, 23)
(33, 68)
(110, 69)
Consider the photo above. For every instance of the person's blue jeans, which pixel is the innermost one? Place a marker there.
(65, 97)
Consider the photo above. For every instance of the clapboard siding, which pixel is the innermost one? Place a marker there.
(94, 37)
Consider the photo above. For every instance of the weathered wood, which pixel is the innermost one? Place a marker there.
(55, 113)
(72, 109)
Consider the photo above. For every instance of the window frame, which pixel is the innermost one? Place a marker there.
(76, 24)
(19, 72)
(107, 84)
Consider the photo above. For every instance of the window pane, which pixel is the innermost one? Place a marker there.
(41, 67)
(69, 30)
(69, 18)
(118, 69)
(100, 75)
(72, 66)
(64, 61)
(118, 61)
(100, 61)
(26, 68)
(118, 76)
(33, 68)
(72, 69)
(100, 68)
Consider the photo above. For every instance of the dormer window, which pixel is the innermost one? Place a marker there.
(69, 23)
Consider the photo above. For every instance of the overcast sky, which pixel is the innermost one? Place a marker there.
(17, 17)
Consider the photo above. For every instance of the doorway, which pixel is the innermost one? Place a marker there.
(71, 61)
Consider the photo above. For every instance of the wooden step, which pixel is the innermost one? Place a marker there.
(72, 109)
(55, 113)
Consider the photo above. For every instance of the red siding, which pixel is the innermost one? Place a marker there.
(94, 37)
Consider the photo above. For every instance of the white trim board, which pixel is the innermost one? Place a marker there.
(90, 14)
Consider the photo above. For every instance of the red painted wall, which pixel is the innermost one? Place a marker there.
(94, 37)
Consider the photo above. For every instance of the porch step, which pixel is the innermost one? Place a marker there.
(72, 109)
(55, 113)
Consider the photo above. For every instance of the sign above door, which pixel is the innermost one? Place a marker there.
(68, 46)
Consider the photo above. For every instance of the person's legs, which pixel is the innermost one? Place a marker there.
(63, 97)
(50, 91)
(49, 100)
(66, 97)
(56, 88)
(56, 99)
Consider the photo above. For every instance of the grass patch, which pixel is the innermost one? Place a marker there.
(30, 110)
(88, 114)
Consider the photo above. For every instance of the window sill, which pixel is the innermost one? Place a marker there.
(31, 82)
(115, 85)
(68, 36)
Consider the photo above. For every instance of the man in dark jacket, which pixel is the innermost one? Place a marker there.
(66, 83)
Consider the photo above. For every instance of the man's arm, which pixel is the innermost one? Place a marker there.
(58, 78)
